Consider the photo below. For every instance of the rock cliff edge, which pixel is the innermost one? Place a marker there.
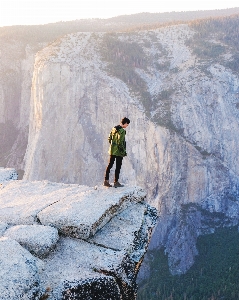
(66, 241)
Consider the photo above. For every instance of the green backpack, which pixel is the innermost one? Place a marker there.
(117, 141)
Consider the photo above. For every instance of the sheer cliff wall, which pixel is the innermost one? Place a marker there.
(16, 69)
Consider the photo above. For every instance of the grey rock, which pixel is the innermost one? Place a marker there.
(3, 228)
(21, 201)
(76, 262)
(104, 268)
(126, 224)
(134, 224)
(37, 239)
(73, 217)
(7, 174)
(19, 272)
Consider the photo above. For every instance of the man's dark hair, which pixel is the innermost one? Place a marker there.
(125, 120)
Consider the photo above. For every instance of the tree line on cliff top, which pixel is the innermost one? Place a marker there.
(52, 31)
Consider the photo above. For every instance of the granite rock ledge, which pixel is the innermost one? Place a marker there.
(65, 241)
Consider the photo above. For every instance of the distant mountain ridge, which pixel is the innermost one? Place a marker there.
(51, 31)
(148, 18)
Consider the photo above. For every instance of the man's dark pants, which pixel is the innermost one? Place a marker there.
(110, 165)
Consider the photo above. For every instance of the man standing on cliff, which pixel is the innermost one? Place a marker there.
(117, 151)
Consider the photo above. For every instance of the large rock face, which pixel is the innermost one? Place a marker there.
(182, 141)
(97, 254)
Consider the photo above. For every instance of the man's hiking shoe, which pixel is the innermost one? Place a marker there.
(117, 184)
(106, 183)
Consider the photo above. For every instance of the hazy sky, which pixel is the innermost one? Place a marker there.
(17, 12)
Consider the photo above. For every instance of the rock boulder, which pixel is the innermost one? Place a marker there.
(7, 174)
(38, 239)
(19, 272)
